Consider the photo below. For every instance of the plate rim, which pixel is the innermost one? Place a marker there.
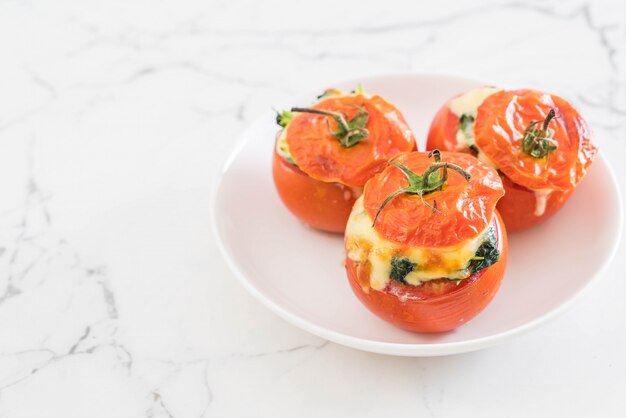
(391, 348)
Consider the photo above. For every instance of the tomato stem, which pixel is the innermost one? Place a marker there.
(546, 121)
(349, 132)
(426, 183)
(537, 142)
(339, 118)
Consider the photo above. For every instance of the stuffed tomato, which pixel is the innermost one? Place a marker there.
(425, 248)
(538, 142)
(324, 154)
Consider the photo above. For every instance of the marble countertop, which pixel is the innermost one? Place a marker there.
(114, 116)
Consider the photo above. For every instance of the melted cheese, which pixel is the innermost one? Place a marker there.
(541, 199)
(364, 244)
(467, 104)
(282, 148)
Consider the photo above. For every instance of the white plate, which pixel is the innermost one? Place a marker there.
(298, 272)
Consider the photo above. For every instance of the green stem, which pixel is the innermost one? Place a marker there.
(436, 166)
(537, 141)
(339, 118)
(349, 132)
(422, 185)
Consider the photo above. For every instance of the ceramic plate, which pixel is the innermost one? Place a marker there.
(298, 272)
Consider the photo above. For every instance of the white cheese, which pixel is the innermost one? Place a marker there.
(282, 148)
(541, 199)
(468, 102)
(364, 244)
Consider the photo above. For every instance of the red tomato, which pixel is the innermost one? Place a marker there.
(499, 126)
(518, 205)
(322, 205)
(442, 133)
(434, 306)
(468, 207)
(326, 179)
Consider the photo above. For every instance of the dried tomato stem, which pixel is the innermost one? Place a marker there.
(421, 185)
(546, 121)
(537, 141)
(436, 166)
(349, 132)
(341, 120)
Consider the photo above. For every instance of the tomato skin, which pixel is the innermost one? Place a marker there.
(320, 155)
(499, 125)
(468, 205)
(321, 205)
(517, 207)
(442, 132)
(436, 306)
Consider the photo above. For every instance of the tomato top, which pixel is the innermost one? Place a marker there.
(320, 155)
(501, 122)
(464, 208)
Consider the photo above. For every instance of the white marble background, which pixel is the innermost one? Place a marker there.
(114, 115)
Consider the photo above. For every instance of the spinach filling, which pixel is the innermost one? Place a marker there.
(400, 268)
(466, 125)
(465, 121)
(283, 118)
(486, 255)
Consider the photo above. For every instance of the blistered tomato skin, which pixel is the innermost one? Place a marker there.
(499, 127)
(434, 306)
(500, 124)
(320, 155)
(321, 205)
(468, 206)
(519, 204)
(442, 133)
(326, 177)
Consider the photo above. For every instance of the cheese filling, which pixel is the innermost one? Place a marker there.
(465, 107)
(282, 148)
(541, 199)
(364, 244)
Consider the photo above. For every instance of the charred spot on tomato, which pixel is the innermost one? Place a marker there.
(486, 255)
(474, 150)
(400, 268)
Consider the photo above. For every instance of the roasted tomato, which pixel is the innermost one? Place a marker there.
(425, 248)
(325, 154)
(537, 141)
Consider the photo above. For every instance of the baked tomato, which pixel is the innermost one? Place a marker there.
(425, 248)
(325, 154)
(538, 142)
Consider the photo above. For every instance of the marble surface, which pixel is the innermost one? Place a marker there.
(114, 117)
